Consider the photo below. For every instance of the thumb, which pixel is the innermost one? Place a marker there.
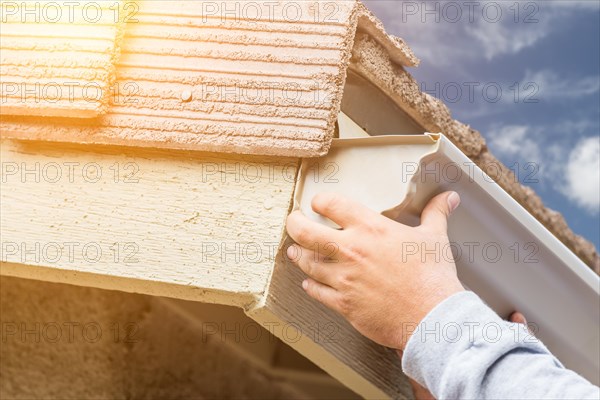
(436, 212)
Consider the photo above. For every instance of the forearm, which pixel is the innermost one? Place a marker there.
(462, 349)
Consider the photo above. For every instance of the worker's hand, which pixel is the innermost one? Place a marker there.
(382, 276)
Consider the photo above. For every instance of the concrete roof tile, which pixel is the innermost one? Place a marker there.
(57, 60)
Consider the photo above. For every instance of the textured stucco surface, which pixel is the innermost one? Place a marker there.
(58, 58)
(189, 225)
(156, 354)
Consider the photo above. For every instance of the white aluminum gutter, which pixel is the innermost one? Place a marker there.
(506, 256)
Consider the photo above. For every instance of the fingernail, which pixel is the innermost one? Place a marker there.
(453, 201)
(305, 284)
(291, 252)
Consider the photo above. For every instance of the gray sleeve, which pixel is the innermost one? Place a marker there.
(464, 350)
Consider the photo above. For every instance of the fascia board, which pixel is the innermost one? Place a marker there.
(536, 274)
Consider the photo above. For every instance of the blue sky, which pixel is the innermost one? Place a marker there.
(527, 76)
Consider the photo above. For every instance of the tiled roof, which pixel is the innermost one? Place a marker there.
(64, 67)
(264, 79)
(261, 80)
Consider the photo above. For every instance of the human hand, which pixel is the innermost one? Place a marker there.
(382, 276)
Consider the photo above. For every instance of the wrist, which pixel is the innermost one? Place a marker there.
(423, 306)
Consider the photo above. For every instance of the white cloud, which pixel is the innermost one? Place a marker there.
(526, 146)
(507, 37)
(544, 86)
(575, 172)
(517, 142)
(550, 86)
(582, 175)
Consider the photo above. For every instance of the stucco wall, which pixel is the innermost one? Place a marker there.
(60, 341)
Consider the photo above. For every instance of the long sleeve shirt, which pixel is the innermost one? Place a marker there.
(464, 350)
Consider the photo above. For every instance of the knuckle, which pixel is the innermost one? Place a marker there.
(308, 267)
(377, 228)
(352, 252)
(327, 202)
(330, 251)
(315, 292)
(345, 280)
(301, 234)
(344, 305)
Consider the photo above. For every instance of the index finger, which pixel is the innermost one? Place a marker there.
(308, 233)
(342, 210)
